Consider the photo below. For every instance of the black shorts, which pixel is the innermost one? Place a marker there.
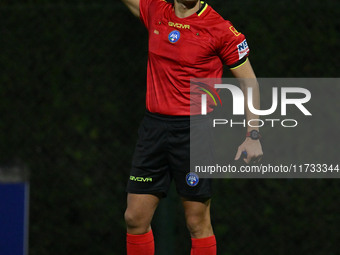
(162, 153)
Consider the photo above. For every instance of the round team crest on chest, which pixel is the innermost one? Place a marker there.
(174, 36)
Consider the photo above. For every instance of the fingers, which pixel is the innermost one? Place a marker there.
(253, 159)
(250, 151)
(258, 159)
(239, 153)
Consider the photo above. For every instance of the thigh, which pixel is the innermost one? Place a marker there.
(150, 171)
(142, 205)
(197, 207)
(188, 183)
(197, 217)
(139, 212)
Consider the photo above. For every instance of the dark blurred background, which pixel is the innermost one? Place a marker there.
(72, 88)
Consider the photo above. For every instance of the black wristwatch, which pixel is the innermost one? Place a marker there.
(254, 134)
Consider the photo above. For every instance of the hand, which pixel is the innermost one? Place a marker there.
(253, 149)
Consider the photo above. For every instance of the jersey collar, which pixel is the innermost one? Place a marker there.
(199, 13)
(202, 9)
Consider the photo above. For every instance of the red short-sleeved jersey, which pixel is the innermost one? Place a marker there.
(184, 48)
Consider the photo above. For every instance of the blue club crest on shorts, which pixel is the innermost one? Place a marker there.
(192, 179)
(174, 36)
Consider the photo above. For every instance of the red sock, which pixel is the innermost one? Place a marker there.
(140, 244)
(203, 246)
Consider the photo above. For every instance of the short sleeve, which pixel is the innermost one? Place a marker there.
(144, 11)
(149, 8)
(233, 47)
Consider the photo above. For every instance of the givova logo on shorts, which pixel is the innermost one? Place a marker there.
(140, 179)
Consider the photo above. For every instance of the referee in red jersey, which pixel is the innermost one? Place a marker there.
(187, 39)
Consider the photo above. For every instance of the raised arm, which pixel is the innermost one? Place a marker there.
(133, 5)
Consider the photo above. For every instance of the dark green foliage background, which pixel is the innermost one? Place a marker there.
(71, 98)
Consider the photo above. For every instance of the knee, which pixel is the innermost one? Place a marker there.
(132, 219)
(135, 222)
(199, 225)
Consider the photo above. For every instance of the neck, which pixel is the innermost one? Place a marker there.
(185, 9)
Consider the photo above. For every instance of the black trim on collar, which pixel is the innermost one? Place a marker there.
(204, 4)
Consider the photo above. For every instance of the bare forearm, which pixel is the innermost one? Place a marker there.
(245, 74)
(251, 145)
(252, 84)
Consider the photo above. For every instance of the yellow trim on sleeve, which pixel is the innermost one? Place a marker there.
(205, 7)
(239, 65)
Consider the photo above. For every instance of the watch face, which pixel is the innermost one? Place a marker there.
(254, 135)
